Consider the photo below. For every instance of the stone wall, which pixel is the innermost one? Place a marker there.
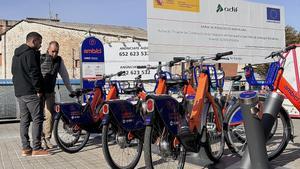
(69, 40)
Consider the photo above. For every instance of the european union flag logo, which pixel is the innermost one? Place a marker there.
(273, 14)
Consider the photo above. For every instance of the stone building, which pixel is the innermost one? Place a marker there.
(6, 24)
(68, 35)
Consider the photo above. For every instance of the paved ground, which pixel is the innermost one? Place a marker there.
(91, 156)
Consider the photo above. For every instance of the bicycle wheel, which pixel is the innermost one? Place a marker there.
(215, 140)
(159, 149)
(118, 150)
(69, 137)
(236, 140)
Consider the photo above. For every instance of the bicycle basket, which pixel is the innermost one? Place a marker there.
(270, 78)
(216, 79)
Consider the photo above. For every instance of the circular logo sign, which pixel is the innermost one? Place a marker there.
(92, 42)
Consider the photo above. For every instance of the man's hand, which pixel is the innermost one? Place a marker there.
(72, 94)
(39, 94)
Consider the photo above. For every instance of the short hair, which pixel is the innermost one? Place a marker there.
(33, 35)
(54, 42)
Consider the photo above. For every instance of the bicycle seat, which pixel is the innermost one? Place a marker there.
(133, 90)
(234, 78)
(173, 82)
(130, 90)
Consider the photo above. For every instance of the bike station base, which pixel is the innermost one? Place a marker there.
(237, 165)
(280, 168)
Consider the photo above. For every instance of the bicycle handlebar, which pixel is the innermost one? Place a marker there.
(278, 53)
(216, 58)
(178, 59)
(290, 47)
(79, 92)
(121, 73)
(220, 55)
(169, 64)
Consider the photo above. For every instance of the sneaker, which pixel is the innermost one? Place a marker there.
(48, 143)
(44, 144)
(40, 152)
(26, 152)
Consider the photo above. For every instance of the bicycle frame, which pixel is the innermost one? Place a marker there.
(197, 119)
(124, 113)
(98, 100)
(286, 88)
(166, 106)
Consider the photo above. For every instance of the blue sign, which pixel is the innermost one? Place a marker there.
(273, 14)
(92, 50)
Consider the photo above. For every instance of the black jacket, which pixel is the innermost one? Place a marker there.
(50, 68)
(26, 71)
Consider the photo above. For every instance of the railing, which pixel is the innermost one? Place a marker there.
(9, 108)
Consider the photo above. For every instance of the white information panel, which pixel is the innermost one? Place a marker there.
(205, 27)
(92, 69)
(128, 57)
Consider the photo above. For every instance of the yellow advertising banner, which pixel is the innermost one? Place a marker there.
(179, 5)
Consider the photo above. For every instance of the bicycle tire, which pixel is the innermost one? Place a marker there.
(108, 153)
(68, 147)
(149, 138)
(212, 133)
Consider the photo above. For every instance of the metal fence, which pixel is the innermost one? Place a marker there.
(9, 108)
(8, 103)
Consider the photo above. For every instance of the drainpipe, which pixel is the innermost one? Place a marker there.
(4, 55)
(4, 50)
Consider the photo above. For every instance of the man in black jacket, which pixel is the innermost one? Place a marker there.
(27, 80)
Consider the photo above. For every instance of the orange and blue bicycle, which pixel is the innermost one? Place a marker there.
(123, 118)
(75, 121)
(172, 128)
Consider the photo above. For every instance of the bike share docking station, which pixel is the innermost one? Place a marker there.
(257, 131)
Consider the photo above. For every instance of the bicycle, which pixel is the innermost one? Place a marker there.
(123, 118)
(126, 122)
(172, 130)
(74, 122)
(282, 130)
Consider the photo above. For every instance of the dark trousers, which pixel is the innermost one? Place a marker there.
(31, 110)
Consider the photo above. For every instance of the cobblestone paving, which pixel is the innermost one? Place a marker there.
(92, 157)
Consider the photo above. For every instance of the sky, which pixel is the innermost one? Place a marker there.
(112, 12)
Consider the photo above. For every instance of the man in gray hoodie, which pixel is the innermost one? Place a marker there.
(51, 65)
(27, 80)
